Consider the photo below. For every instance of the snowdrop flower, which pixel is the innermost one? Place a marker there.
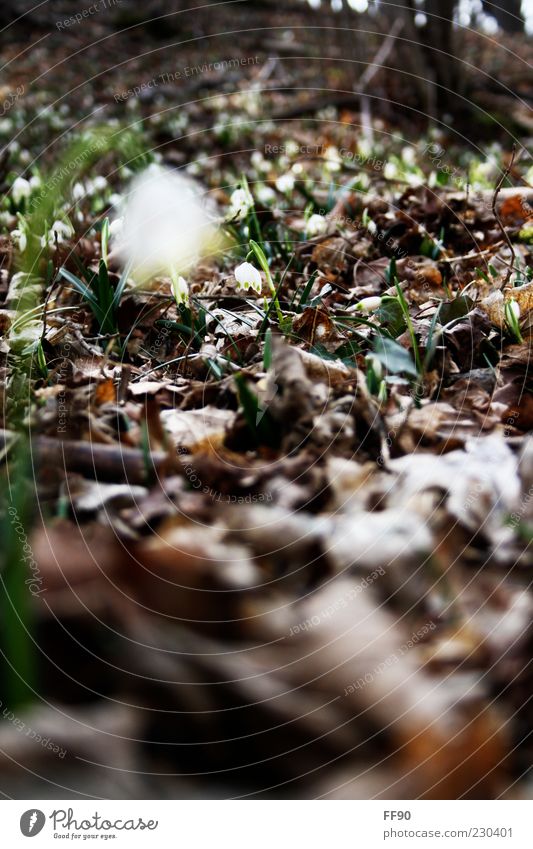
(259, 162)
(20, 238)
(59, 231)
(285, 183)
(166, 227)
(390, 171)
(99, 184)
(21, 189)
(35, 182)
(180, 290)
(78, 191)
(115, 227)
(369, 304)
(265, 194)
(408, 155)
(241, 202)
(333, 160)
(316, 225)
(247, 276)
(514, 306)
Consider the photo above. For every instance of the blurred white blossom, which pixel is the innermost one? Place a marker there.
(241, 203)
(21, 189)
(316, 225)
(285, 183)
(166, 226)
(20, 238)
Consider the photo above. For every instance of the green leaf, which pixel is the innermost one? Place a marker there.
(391, 315)
(267, 352)
(259, 422)
(395, 358)
(105, 239)
(80, 287)
(121, 285)
(452, 310)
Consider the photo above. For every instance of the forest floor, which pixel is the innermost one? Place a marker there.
(271, 541)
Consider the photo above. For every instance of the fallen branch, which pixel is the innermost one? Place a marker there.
(95, 460)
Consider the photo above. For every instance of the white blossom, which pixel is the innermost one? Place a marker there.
(333, 160)
(285, 183)
(316, 225)
(21, 239)
(21, 189)
(247, 276)
(265, 194)
(370, 304)
(78, 191)
(180, 289)
(115, 227)
(166, 226)
(240, 203)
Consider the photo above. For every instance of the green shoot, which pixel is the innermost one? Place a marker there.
(263, 262)
(105, 239)
(409, 324)
(512, 315)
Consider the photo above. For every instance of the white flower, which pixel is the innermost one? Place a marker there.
(115, 227)
(333, 160)
(78, 191)
(259, 162)
(35, 181)
(240, 203)
(376, 366)
(247, 276)
(369, 304)
(390, 172)
(58, 232)
(265, 194)
(99, 183)
(61, 230)
(21, 189)
(20, 237)
(285, 183)
(180, 290)
(166, 227)
(316, 225)
(408, 155)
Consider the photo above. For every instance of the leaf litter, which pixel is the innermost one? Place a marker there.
(284, 538)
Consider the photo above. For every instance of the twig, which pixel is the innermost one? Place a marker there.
(95, 460)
